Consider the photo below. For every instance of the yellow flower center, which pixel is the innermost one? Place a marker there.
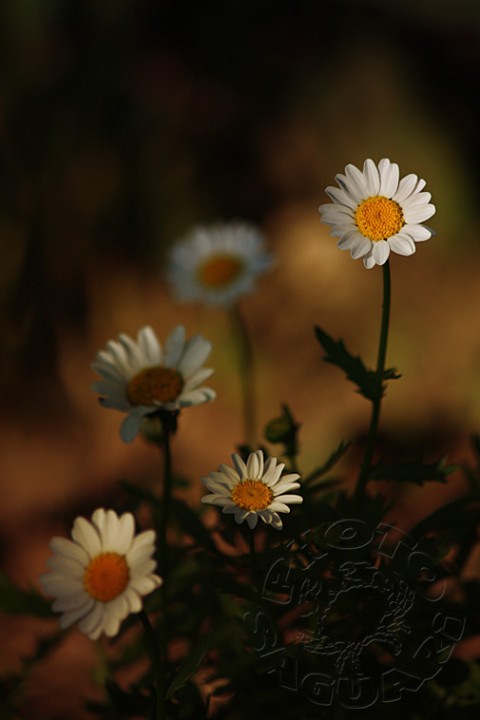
(378, 218)
(252, 495)
(106, 576)
(154, 385)
(220, 270)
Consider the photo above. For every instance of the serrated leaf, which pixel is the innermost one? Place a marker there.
(453, 514)
(352, 366)
(414, 471)
(328, 464)
(367, 381)
(189, 668)
(15, 601)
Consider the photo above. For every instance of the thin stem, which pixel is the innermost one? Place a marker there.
(253, 554)
(157, 665)
(377, 402)
(168, 421)
(167, 494)
(246, 374)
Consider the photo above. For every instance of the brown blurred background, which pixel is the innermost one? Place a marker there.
(122, 124)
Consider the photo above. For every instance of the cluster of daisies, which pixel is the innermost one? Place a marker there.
(100, 576)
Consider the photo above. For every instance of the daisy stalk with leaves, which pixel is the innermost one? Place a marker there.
(373, 213)
(217, 265)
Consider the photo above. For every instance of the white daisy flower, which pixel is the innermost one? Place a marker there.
(253, 490)
(100, 576)
(139, 378)
(374, 212)
(217, 265)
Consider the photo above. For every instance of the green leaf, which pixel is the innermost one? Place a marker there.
(414, 471)
(367, 381)
(189, 668)
(15, 601)
(456, 514)
(328, 464)
(353, 367)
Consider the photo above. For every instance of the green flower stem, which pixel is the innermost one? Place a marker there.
(167, 428)
(158, 666)
(246, 374)
(377, 402)
(169, 425)
(253, 554)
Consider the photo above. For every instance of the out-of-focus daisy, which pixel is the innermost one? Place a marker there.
(253, 490)
(100, 576)
(216, 265)
(140, 378)
(374, 212)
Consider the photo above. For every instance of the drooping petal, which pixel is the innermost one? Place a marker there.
(381, 252)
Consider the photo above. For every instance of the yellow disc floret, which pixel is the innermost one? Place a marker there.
(220, 270)
(106, 576)
(154, 385)
(252, 495)
(379, 218)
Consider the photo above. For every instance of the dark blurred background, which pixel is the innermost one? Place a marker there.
(122, 124)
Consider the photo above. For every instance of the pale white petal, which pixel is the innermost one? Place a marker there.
(125, 533)
(406, 187)
(197, 378)
(276, 506)
(93, 620)
(389, 177)
(66, 566)
(85, 535)
(351, 239)
(69, 549)
(334, 214)
(59, 585)
(196, 397)
(368, 261)
(290, 499)
(417, 232)
(71, 616)
(402, 244)
(255, 465)
(240, 466)
(416, 199)
(149, 347)
(361, 247)
(132, 352)
(372, 178)
(141, 548)
(196, 351)
(130, 428)
(341, 197)
(355, 182)
(279, 489)
(381, 251)
(174, 345)
(419, 214)
(120, 358)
